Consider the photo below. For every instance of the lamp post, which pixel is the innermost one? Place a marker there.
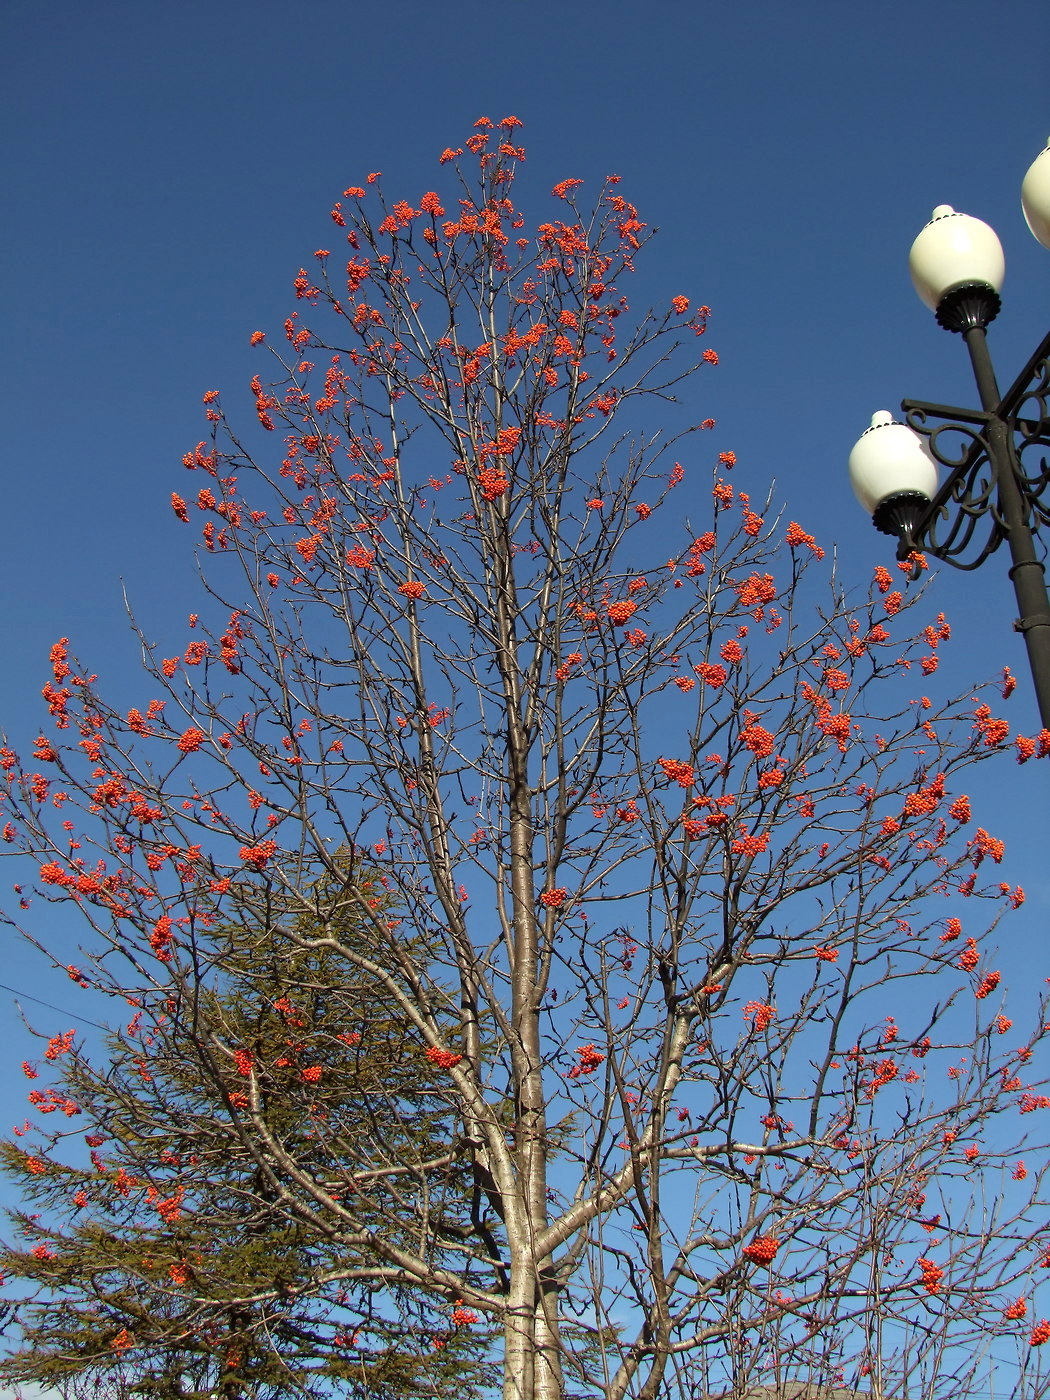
(996, 479)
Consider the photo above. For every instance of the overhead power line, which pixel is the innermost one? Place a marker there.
(52, 1007)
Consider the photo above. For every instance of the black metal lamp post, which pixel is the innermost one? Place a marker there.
(997, 479)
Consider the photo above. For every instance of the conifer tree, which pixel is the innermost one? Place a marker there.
(225, 1292)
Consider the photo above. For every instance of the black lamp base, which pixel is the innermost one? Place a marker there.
(969, 307)
(897, 515)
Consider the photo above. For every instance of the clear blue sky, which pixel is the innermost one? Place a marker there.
(170, 167)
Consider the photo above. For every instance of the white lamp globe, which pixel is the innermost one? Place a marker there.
(890, 458)
(955, 250)
(1035, 196)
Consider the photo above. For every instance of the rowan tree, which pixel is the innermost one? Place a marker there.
(707, 984)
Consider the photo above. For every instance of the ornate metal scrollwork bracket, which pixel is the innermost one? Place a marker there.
(963, 524)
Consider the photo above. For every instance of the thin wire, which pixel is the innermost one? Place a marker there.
(52, 1007)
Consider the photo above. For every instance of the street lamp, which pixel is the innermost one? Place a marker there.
(996, 478)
